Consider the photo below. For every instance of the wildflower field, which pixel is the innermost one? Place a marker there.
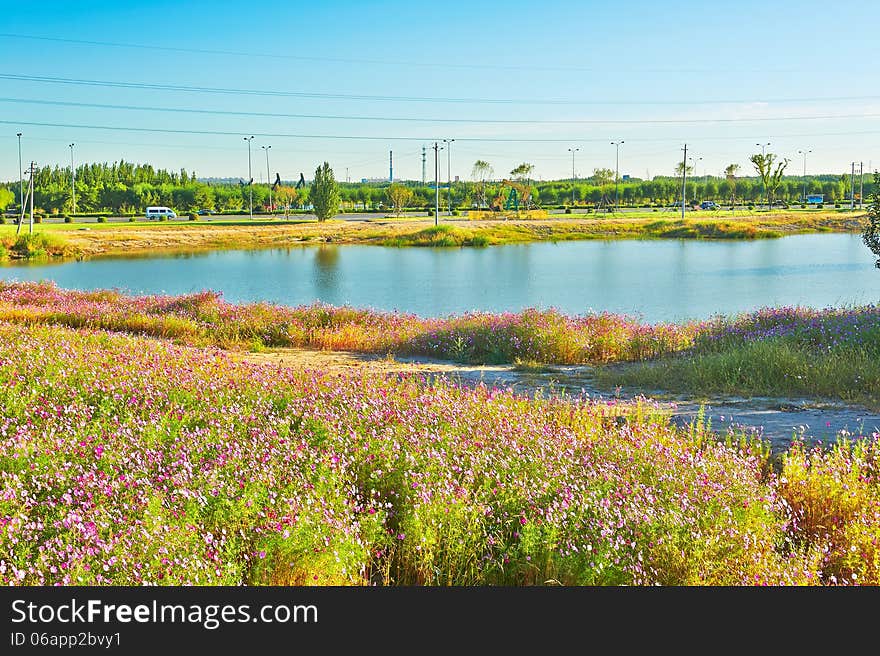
(831, 353)
(132, 460)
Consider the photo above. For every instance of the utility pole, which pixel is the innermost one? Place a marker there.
(436, 184)
(852, 187)
(616, 175)
(423, 165)
(390, 166)
(72, 178)
(804, 153)
(20, 178)
(448, 143)
(684, 173)
(572, 151)
(250, 177)
(269, 178)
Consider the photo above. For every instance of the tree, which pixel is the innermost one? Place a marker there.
(286, 195)
(871, 236)
(481, 172)
(398, 197)
(770, 177)
(681, 168)
(730, 173)
(523, 171)
(6, 197)
(602, 177)
(324, 193)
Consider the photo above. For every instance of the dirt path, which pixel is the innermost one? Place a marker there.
(777, 420)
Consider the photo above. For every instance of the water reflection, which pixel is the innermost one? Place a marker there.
(656, 280)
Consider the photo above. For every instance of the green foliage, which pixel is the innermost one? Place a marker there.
(6, 198)
(871, 235)
(324, 193)
(193, 216)
(398, 196)
(101, 219)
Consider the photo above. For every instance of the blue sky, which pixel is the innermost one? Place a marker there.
(515, 81)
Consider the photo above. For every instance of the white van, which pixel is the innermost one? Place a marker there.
(156, 212)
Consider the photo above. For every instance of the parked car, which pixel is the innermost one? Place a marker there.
(709, 205)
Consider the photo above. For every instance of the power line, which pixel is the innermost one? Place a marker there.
(339, 117)
(343, 96)
(568, 139)
(383, 62)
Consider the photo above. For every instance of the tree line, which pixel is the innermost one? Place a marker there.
(128, 188)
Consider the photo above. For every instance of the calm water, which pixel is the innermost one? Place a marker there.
(656, 280)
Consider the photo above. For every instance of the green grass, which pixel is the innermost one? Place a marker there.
(771, 367)
(439, 236)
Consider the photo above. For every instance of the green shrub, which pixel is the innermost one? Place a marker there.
(430, 212)
(751, 208)
(38, 218)
(193, 216)
(837, 206)
(568, 210)
(456, 213)
(131, 219)
(101, 219)
(163, 218)
(68, 219)
(819, 206)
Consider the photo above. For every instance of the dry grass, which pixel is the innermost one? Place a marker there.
(117, 239)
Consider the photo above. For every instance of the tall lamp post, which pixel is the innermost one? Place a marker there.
(250, 177)
(694, 161)
(572, 151)
(804, 153)
(763, 186)
(268, 179)
(436, 184)
(448, 143)
(20, 178)
(72, 178)
(616, 174)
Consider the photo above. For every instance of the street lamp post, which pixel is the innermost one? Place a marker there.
(804, 153)
(616, 175)
(268, 179)
(448, 143)
(20, 179)
(694, 161)
(72, 178)
(763, 186)
(250, 177)
(436, 184)
(572, 151)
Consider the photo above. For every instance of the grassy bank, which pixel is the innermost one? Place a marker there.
(129, 461)
(148, 237)
(480, 337)
(833, 353)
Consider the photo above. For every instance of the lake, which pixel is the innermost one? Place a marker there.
(656, 280)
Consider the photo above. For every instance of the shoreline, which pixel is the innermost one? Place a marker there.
(80, 241)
